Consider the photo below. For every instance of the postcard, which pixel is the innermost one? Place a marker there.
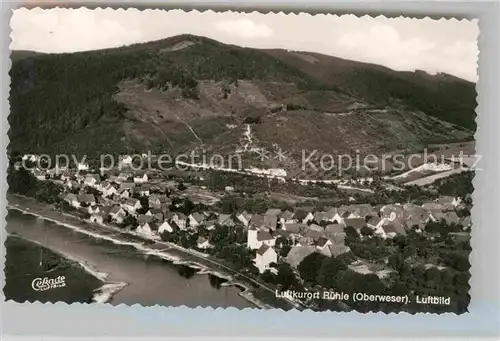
(247, 160)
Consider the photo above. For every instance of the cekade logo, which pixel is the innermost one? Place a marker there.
(43, 284)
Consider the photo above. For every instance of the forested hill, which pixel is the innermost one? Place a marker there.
(75, 102)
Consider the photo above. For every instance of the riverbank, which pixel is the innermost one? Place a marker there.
(162, 250)
(26, 261)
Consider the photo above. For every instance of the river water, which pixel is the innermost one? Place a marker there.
(150, 280)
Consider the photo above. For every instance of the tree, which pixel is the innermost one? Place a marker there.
(327, 274)
(285, 276)
(409, 251)
(181, 186)
(351, 234)
(395, 261)
(130, 220)
(228, 205)
(310, 266)
(432, 277)
(239, 256)
(285, 250)
(21, 181)
(268, 277)
(366, 231)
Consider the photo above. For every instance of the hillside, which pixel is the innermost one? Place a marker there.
(190, 92)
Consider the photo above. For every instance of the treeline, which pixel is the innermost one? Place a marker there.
(68, 98)
(452, 100)
(457, 185)
(24, 183)
(54, 97)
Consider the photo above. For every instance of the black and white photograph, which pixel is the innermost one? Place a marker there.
(247, 160)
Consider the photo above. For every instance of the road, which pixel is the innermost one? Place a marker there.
(19, 202)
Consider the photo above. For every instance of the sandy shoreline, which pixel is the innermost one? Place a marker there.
(106, 292)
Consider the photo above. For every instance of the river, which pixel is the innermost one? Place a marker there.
(150, 280)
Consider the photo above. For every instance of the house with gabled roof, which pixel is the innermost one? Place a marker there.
(125, 161)
(334, 250)
(92, 180)
(287, 217)
(196, 219)
(256, 238)
(297, 254)
(87, 199)
(322, 243)
(265, 256)
(333, 216)
(244, 217)
(131, 205)
(178, 218)
(117, 214)
(107, 189)
(226, 220)
(149, 229)
(203, 243)
(140, 179)
(167, 227)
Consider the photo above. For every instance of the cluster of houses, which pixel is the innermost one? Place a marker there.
(305, 229)
(324, 231)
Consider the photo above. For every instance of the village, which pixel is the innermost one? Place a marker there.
(151, 207)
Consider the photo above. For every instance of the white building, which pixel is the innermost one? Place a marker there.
(141, 179)
(132, 205)
(82, 166)
(309, 217)
(108, 190)
(125, 161)
(148, 229)
(195, 219)
(117, 214)
(244, 217)
(265, 256)
(203, 243)
(257, 238)
(165, 227)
